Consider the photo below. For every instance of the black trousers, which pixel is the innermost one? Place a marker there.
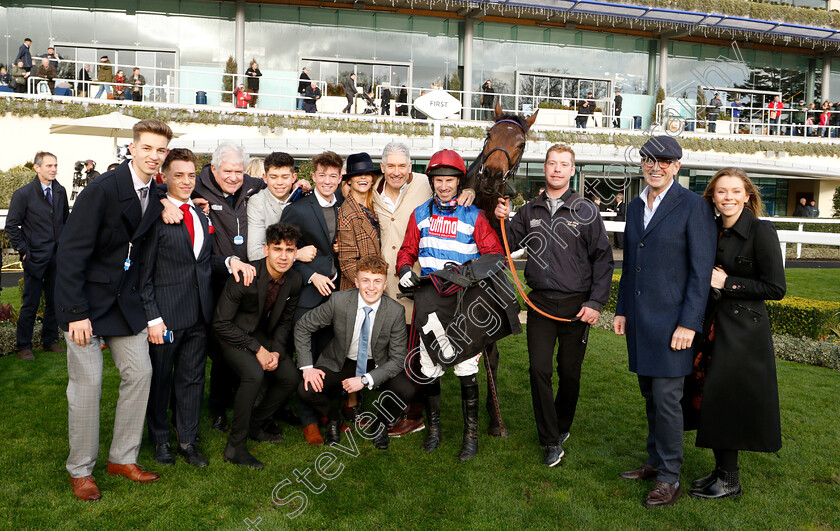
(554, 413)
(618, 237)
(320, 340)
(32, 288)
(325, 402)
(178, 370)
(223, 380)
(280, 385)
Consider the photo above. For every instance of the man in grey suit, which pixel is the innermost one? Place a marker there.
(669, 254)
(266, 206)
(367, 350)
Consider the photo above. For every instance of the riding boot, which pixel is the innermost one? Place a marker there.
(433, 422)
(726, 485)
(469, 405)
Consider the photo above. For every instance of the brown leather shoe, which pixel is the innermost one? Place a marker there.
(132, 472)
(406, 425)
(313, 435)
(85, 488)
(663, 495)
(54, 347)
(644, 473)
(26, 354)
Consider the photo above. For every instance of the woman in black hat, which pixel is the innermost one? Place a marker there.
(358, 226)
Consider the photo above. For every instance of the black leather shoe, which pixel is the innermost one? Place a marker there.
(193, 456)
(725, 485)
(380, 442)
(288, 416)
(261, 435)
(553, 455)
(332, 435)
(241, 457)
(220, 423)
(704, 482)
(163, 454)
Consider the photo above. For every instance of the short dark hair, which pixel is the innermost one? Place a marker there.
(152, 126)
(282, 232)
(327, 159)
(27, 40)
(278, 159)
(372, 264)
(178, 154)
(39, 157)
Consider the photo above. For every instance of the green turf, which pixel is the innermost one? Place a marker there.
(819, 284)
(505, 487)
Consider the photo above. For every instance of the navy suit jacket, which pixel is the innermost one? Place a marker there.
(176, 285)
(33, 226)
(307, 215)
(92, 282)
(665, 279)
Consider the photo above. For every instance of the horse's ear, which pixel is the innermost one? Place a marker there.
(498, 109)
(531, 119)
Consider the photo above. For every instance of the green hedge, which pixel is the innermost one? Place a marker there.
(11, 180)
(8, 337)
(792, 316)
(810, 227)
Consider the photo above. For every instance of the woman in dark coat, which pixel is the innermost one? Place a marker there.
(402, 100)
(740, 399)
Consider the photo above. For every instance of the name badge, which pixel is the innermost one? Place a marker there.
(238, 240)
(536, 222)
(216, 207)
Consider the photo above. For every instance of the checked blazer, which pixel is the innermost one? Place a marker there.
(357, 238)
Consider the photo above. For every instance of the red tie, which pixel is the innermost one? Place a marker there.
(188, 221)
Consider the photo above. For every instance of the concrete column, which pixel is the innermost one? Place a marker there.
(651, 88)
(663, 64)
(826, 77)
(811, 81)
(240, 37)
(467, 83)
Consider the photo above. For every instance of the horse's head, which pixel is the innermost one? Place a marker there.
(502, 152)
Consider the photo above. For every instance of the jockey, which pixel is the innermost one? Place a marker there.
(441, 231)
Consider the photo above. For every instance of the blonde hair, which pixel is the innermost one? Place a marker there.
(560, 148)
(256, 168)
(754, 203)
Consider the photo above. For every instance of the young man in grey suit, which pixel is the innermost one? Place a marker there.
(670, 240)
(37, 214)
(368, 350)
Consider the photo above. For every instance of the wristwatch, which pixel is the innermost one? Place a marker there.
(365, 380)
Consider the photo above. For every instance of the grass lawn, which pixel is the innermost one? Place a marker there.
(505, 487)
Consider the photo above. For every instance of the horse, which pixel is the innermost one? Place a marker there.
(489, 176)
(491, 172)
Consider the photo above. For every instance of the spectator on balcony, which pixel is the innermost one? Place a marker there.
(137, 81)
(311, 96)
(83, 87)
(5, 78)
(350, 92)
(714, 112)
(835, 120)
(488, 98)
(582, 114)
(811, 211)
(813, 118)
(800, 116)
(775, 115)
(119, 87)
(24, 54)
(19, 77)
(618, 102)
(736, 114)
(303, 84)
(385, 104)
(253, 74)
(825, 121)
(241, 97)
(46, 71)
(402, 102)
(105, 75)
(53, 57)
(801, 210)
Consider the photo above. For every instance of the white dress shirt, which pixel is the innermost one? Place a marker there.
(392, 205)
(648, 211)
(198, 228)
(323, 201)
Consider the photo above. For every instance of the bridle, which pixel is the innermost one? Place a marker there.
(512, 166)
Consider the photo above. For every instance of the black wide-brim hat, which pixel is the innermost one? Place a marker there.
(360, 164)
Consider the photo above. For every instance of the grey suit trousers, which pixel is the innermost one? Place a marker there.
(665, 425)
(84, 390)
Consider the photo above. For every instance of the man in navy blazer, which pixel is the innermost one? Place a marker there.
(669, 251)
(36, 218)
(98, 294)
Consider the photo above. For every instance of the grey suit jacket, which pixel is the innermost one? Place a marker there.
(388, 338)
(263, 211)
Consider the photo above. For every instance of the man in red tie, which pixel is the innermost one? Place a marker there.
(178, 301)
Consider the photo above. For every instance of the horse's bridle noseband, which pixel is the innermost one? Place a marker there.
(512, 166)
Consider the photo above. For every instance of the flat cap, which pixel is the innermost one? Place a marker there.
(661, 147)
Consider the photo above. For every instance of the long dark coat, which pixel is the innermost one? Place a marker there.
(740, 407)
